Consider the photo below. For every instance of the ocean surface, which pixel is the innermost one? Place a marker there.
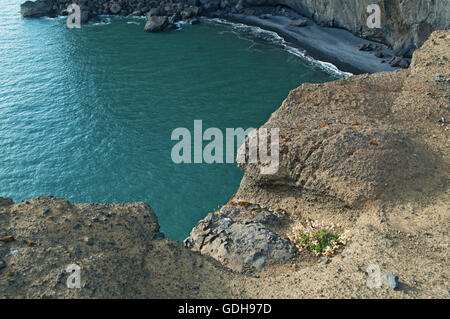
(87, 114)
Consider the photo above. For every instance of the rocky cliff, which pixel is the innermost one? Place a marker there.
(405, 24)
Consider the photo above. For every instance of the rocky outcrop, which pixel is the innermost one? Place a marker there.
(362, 139)
(38, 9)
(236, 236)
(119, 249)
(156, 24)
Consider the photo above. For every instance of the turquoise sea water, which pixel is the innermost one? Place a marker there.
(87, 114)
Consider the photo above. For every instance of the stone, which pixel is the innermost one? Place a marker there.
(89, 241)
(399, 62)
(391, 280)
(365, 47)
(298, 23)
(379, 54)
(238, 244)
(36, 9)
(115, 7)
(156, 24)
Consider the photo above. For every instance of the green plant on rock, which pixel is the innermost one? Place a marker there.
(317, 242)
(319, 238)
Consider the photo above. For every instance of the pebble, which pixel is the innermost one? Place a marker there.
(12, 252)
(89, 241)
(196, 289)
(254, 275)
(391, 280)
(324, 261)
(46, 211)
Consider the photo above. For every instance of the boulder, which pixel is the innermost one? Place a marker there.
(36, 9)
(115, 7)
(379, 54)
(239, 241)
(399, 62)
(156, 24)
(365, 47)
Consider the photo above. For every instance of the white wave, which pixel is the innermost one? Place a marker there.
(277, 39)
(104, 21)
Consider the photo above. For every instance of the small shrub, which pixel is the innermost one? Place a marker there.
(320, 239)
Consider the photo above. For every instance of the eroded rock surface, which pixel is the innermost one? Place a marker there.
(361, 139)
(119, 249)
(238, 239)
(31, 9)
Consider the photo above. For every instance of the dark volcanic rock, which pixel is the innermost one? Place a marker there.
(37, 9)
(399, 62)
(156, 24)
(239, 243)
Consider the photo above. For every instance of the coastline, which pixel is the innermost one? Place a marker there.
(331, 45)
(336, 50)
(383, 124)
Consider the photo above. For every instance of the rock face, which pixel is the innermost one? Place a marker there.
(405, 24)
(238, 240)
(38, 9)
(119, 249)
(361, 139)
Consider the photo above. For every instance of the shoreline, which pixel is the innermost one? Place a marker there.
(330, 45)
(323, 45)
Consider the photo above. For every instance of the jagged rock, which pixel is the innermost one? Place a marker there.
(298, 23)
(36, 9)
(379, 55)
(365, 47)
(156, 24)
(238, 243)
(399, 62)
